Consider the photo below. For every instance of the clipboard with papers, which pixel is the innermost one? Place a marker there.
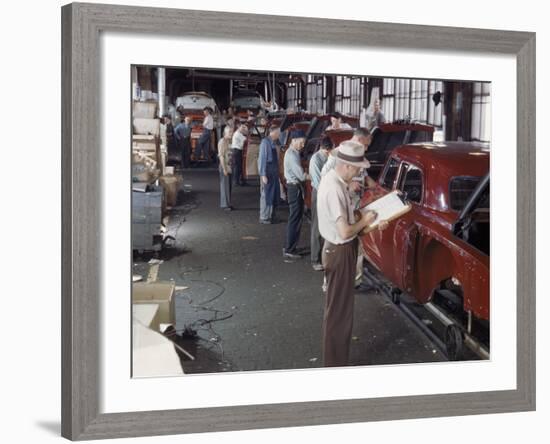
(392, 206)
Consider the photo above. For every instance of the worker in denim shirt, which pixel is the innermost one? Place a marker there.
(268, 167)
(295, 183)
(316, 163)
(182, 134)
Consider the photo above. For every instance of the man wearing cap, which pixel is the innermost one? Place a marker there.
(203, 144)
(338, 227)
(336, 122)
(315, 167)
(295, 180)
(268, 167)
(361, 135)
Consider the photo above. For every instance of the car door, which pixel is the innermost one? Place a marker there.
(377, 245)
(406, 235)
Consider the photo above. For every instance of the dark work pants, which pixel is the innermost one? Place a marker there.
(238, 176)
(203, 145)
(295, 216)
(185, 152)
(316, 238)
(339, 263)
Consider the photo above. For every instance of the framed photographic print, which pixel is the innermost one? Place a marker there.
(298, 217)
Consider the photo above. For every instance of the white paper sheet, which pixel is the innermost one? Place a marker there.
(388, 207)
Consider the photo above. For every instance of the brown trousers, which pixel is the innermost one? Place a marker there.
(339, 262)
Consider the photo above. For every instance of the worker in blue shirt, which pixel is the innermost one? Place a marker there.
(182, 134)
(268, 167)
(295, 177)
(316, 164)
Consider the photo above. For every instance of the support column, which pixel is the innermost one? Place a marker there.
(161, 80)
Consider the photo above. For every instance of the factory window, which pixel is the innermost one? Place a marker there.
(294, 96)
(402, 99)
(481, 112)
(339, 93)
(355, 96)
(348, 95)
(316, 94)
(419, 100)
(387, 104)
(435, 112)
(412, 98)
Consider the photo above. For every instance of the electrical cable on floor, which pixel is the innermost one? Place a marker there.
(206, 324)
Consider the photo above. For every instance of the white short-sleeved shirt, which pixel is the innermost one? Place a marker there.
(333, 202)
(208, 122)
(238, 140)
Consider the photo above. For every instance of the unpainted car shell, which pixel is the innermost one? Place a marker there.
(419, 250)
(186, 106)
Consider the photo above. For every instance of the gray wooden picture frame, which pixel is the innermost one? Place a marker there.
(81, 252)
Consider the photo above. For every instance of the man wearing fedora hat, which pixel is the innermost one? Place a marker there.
(295, 178)
(338, 227)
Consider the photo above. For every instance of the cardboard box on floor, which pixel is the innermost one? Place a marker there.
(147, 315)
(153, 353)
(161, 293)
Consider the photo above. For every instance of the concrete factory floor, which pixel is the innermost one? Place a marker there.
(252, 311)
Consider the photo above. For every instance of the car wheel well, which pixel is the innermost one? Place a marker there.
(436, 266)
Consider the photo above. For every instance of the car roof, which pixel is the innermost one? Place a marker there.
(448, 159)
(440, 162)
(196, 93)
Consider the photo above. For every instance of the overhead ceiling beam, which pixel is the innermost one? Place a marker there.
(235, 76)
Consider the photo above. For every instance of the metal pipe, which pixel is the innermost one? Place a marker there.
(135, 84)
(439, 314)
(248, 78)
(476, 347)
(161, 79)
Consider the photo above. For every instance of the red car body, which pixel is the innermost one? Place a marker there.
(423, 250)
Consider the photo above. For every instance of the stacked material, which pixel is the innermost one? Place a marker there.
(146, 159)
(144, 110)
(146, 142)
(147, 211)
(144, 121)
(149, 127)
